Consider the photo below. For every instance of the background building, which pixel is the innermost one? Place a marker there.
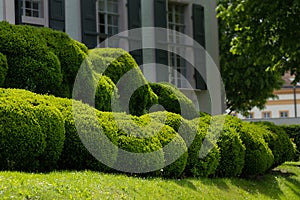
(284, 109)
(92, 21)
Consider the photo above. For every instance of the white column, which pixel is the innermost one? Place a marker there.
(1, 10)
(9, 11)
(147, 14)
(73, 19)
(212, 100)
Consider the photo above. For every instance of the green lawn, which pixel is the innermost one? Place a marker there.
(281, 183)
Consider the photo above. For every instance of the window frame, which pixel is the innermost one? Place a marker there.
(284, 111)
(104, 35)
(266, 112)
(177, 65)
(41, 20)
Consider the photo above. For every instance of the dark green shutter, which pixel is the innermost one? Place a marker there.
(199, 36)
(161, 56)
(57, 14)
(135, 21)
(18, 12)
(89, 23)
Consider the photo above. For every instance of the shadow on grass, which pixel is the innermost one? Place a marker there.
(186, 183)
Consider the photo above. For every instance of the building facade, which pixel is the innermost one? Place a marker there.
(284, 109)
(93, 21)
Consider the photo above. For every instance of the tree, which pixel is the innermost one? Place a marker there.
(259, 41)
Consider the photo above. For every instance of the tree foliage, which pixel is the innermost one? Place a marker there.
(259, 42)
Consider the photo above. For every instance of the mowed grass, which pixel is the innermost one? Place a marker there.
(281, 183)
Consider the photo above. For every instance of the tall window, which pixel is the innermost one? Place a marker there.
(108, 18)
(177, 69)
(32, 8)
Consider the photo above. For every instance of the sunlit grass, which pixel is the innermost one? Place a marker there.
(281, 183)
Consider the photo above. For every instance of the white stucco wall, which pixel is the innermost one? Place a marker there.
(9, 11)
(1, 10)
(73, 19)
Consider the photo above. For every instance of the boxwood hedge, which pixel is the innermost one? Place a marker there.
(21, 136)
(293, 131)
(3, 68)
(279, 142)
(258, 156)
(40, 59)
(202, 165)
(136, 96)
(173, 100)
(70, 54)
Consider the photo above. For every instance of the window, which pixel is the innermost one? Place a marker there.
(177, 70)
(266, 115)
(250, 116)
(283, 114)
(108, 18)
(33, 12)
(31, 8)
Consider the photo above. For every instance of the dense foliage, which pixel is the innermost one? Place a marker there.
(279, 142)
(293, 131)
(173, 100)
(136, 96)
(40, 59)
(3, 68)
(258, 43)
(40, 133)
(258, 156)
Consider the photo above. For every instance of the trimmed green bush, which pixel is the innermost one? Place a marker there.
(38, 75)
(70, 54)
(140, 135)
(30, 64)
(232, 153)
(22, 140)
(74, 155)
(202, 165)
(279, 142)
(3, 68)
(293, 131)
(41, 60)
(52, 125)
(122, 69)
(105, 92)
(173, 100)
(185, 131)
(258, 157)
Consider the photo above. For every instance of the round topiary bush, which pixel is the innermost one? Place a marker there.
(279, 143)
(202, 165)
(106, 92)
(41, 59)
(70, 53)
(3, 68)
(30, 64)
(41, 75)
(82, 139)
(21, 136)
(293, 131)
(74, 155)
(143, 136)
(258, 156)
(52, 125)
(173, 100)
(232, 152)
(136, 96)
